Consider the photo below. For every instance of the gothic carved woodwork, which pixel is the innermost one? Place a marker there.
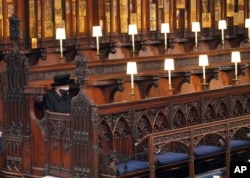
(59, 144)
(98, 132)
(16, 127)
(84, 126)
(172, 116)
(75, 145)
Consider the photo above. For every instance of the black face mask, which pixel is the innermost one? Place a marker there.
(64, 92)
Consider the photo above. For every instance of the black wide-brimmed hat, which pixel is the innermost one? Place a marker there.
(62, 79)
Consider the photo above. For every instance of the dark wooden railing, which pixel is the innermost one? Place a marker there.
(124, 126)
(192, 137)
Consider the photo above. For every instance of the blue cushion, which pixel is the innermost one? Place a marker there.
(238, 143)
(204, 150)
(130, 166)
(171, 157)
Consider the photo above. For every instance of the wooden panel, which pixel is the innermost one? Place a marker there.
(33, 19)
(48, 19)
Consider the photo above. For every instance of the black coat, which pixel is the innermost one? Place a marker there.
(55, 103)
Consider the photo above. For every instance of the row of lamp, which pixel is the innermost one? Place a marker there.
(96, 32)
(196, 28)
(165, 29)
(169, 65)
(222, 25)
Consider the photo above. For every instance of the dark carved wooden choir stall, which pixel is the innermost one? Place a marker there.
(135, 138)
(156, 132)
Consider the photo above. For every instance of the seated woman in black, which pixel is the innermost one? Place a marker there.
(58, 99)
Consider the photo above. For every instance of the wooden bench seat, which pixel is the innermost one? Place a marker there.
(204, 143)
(170, 157)
(131, 166)
(239, 143)
(116, 165)
(205, 150)
(209, 157)
(169, 152)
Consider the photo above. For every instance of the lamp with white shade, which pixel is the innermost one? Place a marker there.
(235, 58)
(222, 26)
(203, 61)
(247, 25)
(97, 32)
(165, 29)
(61, 35)
(196, 28)
(132, 30)
(131, 70)
(169, 65)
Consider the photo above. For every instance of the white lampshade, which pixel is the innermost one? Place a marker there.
(60, 34)
(131, 68)
(196, 27)
(165, 28)
(169, 64)
(132, 29)
(235, 56)
(222, 24)
(203, 60)
(97, 31)
(247, 23)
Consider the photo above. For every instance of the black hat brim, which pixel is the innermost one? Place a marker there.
(61, 83)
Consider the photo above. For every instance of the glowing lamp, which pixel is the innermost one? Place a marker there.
(196, 28)
(222, 26)
(97, 32)
(165, 29)
(132, 69)
(203, 61)
(235, 58)
(61, 35)
(132, 30)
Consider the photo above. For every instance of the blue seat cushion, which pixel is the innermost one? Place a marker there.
(238, 143)
(131, 166)
(170, 157)
(204, 150)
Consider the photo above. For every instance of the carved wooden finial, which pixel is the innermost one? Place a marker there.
(14, 28)
(81, 70)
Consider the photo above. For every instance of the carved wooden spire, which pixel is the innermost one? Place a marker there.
(81, 70)
(15, 124)
(14, 30)
(84, 126)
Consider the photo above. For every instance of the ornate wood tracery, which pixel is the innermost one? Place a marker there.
(17, 128)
